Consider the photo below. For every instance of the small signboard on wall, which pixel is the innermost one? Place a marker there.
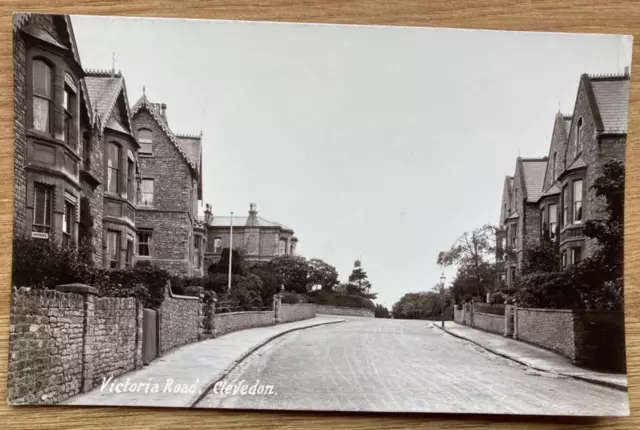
(38, 235)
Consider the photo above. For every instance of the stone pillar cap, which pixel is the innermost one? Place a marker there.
(77, 288)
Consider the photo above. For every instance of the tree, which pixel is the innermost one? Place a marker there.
(292, 272)
(222, 266)
(473, 253)
(541, 257)
(322, 274)
(471, 282)
(422, 305)
(359, 282)
(381, 311)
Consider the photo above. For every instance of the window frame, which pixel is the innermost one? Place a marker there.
(553, 226)
(282, 248)
(69, 221)
(217, 245)
(575, 202)
(113, 170)
(566, 202)
(128, 260)
(47, 214)
(143, 193)
(114, 264)
(144, 141)
(576, 250)
(70, 109)
(579, 137)
(48, 98)
(147, 243)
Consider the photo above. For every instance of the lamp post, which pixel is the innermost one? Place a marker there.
(442, 279)
(230, 251)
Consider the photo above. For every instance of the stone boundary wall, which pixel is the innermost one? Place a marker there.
(234, 321)
(179, 320)
(297, 312)
(489, 322)
(62, 342)
(345, 311)
(549, 328)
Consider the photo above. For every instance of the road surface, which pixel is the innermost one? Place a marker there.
(401, 366)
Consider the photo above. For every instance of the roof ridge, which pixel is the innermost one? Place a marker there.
(195, 136)
(530, 159)
(608, 76)
(102, 73)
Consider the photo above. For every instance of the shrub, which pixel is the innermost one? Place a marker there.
(338, 299)
(293, 298)
(146, 282)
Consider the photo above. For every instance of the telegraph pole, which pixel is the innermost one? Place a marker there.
(230, 251)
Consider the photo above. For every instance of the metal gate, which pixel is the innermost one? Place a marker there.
(149, 336)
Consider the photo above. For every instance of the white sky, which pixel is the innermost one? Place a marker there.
(384, 143)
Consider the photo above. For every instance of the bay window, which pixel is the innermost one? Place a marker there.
(42, 205)
(113, 248)
(565, 206)
(553, 221)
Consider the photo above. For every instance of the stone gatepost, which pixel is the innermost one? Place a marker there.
(88, 326)
(509, 315)
(210, 318)
(515, 320)
(277, 301)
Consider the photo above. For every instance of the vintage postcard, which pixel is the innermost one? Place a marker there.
(282, 216)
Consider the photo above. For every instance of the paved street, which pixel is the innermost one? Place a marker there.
(403, 366)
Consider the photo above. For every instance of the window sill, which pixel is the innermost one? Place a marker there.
(143, 155)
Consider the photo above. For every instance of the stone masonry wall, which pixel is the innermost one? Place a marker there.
(45, 346)
(179, 320)
(234, 321)
(20, 138)
(600, 340)
(302, 311)
(115, 335)
(550, 328)
(62, 343)
(342, 310)
(170, 240)
(489, 322)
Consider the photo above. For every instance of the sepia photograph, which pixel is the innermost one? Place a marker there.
(317, 217)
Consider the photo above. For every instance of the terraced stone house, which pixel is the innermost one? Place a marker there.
(169, 231)
(551, 197)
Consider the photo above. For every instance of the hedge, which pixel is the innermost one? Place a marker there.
(340, 299)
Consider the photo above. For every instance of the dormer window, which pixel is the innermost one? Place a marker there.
(579, 136)
(42, 96)
(145, 139)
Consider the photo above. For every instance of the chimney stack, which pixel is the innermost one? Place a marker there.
(208, 216)
(163, 111)
(252, 220)
(626, 70)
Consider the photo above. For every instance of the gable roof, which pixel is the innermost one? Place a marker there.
(105, 88)
(533, 171)
(192, 146)
(552, 191)
(612, 98)
(143, 102)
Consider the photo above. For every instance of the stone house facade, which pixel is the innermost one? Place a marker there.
(550, 198)
(51, 115)
(257, 239)
(169, 232)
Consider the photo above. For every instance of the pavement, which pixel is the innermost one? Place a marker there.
(389, 365)
(182, 376)
(533, 356)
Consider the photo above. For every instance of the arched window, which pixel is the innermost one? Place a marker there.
(42, 95)
(145, 139)
(579, 133)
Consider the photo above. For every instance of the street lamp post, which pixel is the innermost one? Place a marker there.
(230, 251)
(442, 279)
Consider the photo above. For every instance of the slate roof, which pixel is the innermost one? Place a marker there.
(567, 123)
(612, 98)
(19, 19)
(192, 146)
(104, 88)
(41, 34)
(239, 221)
(553, 190)
(534, 171)
(577, 163)
(152, 108)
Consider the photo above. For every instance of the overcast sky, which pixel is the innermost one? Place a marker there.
(380, 143)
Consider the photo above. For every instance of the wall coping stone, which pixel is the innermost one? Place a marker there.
(488, 315)
(177, 296)
(77, 288)
(564, 311)
(242, 313)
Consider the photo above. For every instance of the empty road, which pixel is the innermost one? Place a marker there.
(382, 365)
